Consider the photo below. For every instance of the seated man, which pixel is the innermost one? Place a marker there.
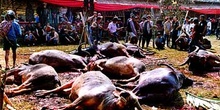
(30, 39)
(53, 37)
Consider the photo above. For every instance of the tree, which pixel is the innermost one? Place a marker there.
(173, 7)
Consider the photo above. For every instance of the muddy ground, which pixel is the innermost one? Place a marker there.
(207, 85)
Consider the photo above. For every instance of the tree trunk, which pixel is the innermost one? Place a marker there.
(1, 92)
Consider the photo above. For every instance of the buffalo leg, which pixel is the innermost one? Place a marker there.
(6, 99)
(42, 93)
(76, 103)
(128, 80)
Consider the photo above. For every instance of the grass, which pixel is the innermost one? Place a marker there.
(205, 85)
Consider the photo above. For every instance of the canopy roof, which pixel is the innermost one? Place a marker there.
(117, 5)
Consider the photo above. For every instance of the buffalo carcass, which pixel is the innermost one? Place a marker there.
(159, 84)
(118, 67)
(32, 77)
(183, 41)
(94, 91)
(108, 49)
(136, 51)
(202, 60)
(58, 59)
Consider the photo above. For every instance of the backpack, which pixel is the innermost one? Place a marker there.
(4, 28)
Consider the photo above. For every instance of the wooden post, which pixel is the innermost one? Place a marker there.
(1, 92)
(1, 10)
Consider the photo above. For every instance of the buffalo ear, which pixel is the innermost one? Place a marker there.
(187, 82)
(124, 94)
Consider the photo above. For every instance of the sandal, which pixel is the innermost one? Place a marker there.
(7, 69)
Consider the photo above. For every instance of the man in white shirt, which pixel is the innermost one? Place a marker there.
(209, 27)
(53, 37)
(112, 29)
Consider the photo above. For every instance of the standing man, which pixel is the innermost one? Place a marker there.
(202, 26)
(96, 27)
(167, 29)
(209, 27)
(144, 17)
(218, 28)
(176, 28)
(196, 37)
(90, 20)
(147, 31)
(131, 27)
(112, 29)
(10, 40)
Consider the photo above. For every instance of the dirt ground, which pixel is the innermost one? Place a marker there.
(207, 85)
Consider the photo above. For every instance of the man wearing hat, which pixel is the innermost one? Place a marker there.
(112, 29)
(147, 31)
(10, 38)
(132, 27)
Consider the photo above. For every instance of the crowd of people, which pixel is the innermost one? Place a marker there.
(35, 34)
(142, 28)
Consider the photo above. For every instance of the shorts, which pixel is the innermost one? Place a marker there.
(7, 44)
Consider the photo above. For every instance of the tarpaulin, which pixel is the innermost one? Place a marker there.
(120, 6)
(206, 11)
(99, 6)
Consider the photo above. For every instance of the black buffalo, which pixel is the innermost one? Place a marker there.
(202, 60)
(159, 84)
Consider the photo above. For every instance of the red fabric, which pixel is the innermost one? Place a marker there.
(118, 7)
(67, 3)
(98, 6)
(207, 11)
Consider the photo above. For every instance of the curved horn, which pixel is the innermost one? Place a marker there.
(196, 50)
(169, 66)
(185, 62)
(80, 47)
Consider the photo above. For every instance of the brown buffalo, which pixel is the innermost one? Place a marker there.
(58, 59)
(118, 67)
(95, 91)
(33, 77)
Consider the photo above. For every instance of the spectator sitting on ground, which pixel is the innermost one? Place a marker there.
(48, 28)
(29, 38)
(52, 38)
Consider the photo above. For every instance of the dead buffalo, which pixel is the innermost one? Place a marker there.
(206, 43)
(95, 91)
(183, 41)
(58, 59)
(33, 77)
(118, 67)
(136, 51)
(108, 49)
(202, 60)
(159, 84)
